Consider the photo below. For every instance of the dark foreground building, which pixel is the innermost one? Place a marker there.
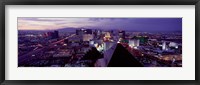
(122, 58)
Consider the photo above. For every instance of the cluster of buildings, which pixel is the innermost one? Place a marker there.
(100, 48)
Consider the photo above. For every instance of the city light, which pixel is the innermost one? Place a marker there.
(102, 42)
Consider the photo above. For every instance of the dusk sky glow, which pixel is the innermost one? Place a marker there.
(138, 24)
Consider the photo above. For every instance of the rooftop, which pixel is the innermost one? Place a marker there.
(122, 58)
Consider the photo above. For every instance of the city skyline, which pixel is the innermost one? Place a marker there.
(130, 24)
(100, 42)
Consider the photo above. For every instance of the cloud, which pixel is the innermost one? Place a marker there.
(165, 24)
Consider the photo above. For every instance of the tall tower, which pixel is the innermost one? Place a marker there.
(164, 46)
(122, 34)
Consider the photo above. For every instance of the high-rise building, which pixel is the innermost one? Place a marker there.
(107, 36)
(80, 32)
(134, 43)
(143, 39)
(91, 43)
(87, 37)
(77, 31)
(97, 33)
(164, 46)
(55, 35)
(88, 31)
(173, 44)
(122, 34)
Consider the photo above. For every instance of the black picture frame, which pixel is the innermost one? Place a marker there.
(97, 2)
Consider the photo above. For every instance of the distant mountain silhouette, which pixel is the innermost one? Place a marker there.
(72, 29)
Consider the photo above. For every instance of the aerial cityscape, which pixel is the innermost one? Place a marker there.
(99, 42)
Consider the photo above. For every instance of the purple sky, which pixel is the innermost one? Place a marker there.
(135, 24)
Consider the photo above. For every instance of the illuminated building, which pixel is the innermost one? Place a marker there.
(97, 33)
(87, 37)
(91, 43)
(99, 47)
(86, 34)
(164, 46)
(173, 44)
(74, 39)
(80, 32)
(143, 39)
(107, 36)
(134, 43)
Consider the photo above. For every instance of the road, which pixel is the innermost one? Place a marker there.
(29, 55)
